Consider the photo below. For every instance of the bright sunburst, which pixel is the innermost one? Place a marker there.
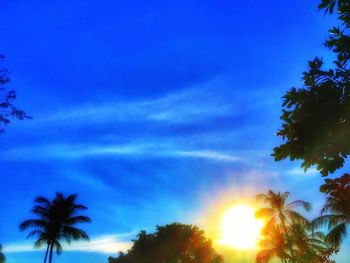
(239, 228)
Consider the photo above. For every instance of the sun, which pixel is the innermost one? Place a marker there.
(239, 228)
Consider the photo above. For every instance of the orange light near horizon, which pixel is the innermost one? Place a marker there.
(239, 228)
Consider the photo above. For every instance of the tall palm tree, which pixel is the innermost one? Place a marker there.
(2, 256)
(55, 223)
(336, 211)
(278, 208)
(280, 215)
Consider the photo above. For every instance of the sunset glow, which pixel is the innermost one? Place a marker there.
(239, 228)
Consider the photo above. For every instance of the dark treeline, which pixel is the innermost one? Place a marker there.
(171, 243)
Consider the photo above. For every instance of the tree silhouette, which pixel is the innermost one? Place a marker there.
(55, 223)
(336, 212)
(7, 110)
(288, 235)
(169, 244)
(316, 117)
(2, 256)
(307, 245)
(279, 210)
(273, 243)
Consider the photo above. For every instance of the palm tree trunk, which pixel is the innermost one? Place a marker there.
(51, 252)
(47, 251)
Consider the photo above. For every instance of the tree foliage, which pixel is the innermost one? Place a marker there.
(335, 214)
(2, 256)
(174, 243)
(316, 117)
(288, 235)
(55, 223)
(8, 110)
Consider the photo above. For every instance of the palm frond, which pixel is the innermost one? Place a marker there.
(33, 223)
(79, 207)
(336, 236)
(299, 203)
(265, 255)
(58, 247)
(40, 242)
(71, 233)
(42, 200)
(264, 212)
(329, 220)
(77, 219)
(296, 217)
(35, 233)
(261, 197)
(41, 211)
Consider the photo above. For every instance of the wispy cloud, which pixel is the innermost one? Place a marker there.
(189, 105)
(207, 154)
(103, 244)
(63, 151)
(300, 171)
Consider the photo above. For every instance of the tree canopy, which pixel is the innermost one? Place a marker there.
(316, 117)
(174, 243)
(335, 214)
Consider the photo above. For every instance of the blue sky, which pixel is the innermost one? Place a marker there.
(150, 110)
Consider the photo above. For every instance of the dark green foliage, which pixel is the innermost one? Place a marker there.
(316, 117)
(336, 212)
(2, 256)
(174, 243)
(7, 110)
(55, 223)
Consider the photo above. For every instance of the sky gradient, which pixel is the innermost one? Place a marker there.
(152, 111)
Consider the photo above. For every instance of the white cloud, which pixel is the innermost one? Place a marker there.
(103, 244)
(193, 104)
(159, 150)
(300, 171)
(207, 154)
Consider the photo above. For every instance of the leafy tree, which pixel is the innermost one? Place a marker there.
(316, 117)
(174, 243)
(336, 212)
(56, 222)
(7, 109)
(2, 256)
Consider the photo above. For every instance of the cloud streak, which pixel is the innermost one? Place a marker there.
(300, 171)
(105, 244)
(63, 151)
(195, 104)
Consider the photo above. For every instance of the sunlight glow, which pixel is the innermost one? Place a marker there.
(239, 228)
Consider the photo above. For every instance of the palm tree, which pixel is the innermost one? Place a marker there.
(308, 245)
(336, 211)
(278, 208)
(2, 256)
(280, 215)
(272, 244)
(55, 223)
